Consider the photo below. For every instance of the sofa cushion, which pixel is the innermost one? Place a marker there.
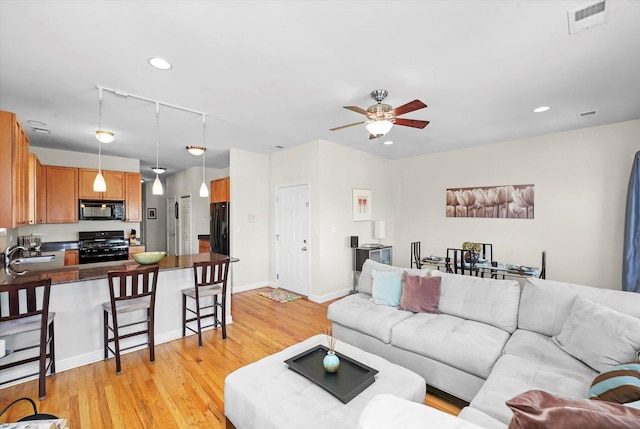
(620, 383)
(484, 300)
(388, 411)
(541, 350)
(599, 336)
(546, 304)
(420, 294)
(365, 281)
(359, 313)
(387, 287)
(512, 375)
(464, 344)
(537, 409)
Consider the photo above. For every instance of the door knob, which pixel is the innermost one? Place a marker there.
(304, 249)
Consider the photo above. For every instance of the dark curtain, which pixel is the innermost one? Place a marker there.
(631, 256)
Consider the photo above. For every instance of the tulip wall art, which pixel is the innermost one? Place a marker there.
(512, 201)
(361, 204)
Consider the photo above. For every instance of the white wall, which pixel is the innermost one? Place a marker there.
(580, 179)
(65, 158)
(250, 237)
(155, 230)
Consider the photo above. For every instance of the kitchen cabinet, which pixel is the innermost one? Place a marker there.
(37, 191)
(133, 197)
(71, 257)
(203, 246)
(14, 172)
(220, 190)
(115, 181)
(139, 248)
(62, 194)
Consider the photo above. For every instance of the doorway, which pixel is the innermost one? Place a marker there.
(292, 238)
(185, 225)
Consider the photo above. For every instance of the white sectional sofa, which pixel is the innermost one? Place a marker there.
(493, 340)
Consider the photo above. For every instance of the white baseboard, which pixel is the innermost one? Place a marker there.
(244, 288)
(324, 298)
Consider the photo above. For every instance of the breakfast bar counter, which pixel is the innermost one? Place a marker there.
(78, 292)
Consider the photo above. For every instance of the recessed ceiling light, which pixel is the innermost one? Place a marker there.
(36, 123)
(388, 142)
(541, 109)
(158, 170)
(160, 63)
(41, 130)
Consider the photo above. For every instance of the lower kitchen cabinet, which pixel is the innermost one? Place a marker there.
(135, 249)
(71, 257)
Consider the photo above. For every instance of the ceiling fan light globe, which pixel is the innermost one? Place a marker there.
(379, 127)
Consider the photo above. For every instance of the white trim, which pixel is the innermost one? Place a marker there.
(324, 298)
(252, 286)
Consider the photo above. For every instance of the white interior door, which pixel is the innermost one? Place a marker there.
(292, 238)
(185, 225)
(171, 226)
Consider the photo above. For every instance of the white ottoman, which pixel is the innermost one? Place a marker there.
(268, 395)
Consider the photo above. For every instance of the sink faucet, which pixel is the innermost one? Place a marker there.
(9, 252)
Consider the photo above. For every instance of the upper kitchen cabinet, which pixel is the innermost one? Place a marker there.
(37, 190)
(220, 190)
(62, 194)
(114, 180)
(133, 197)
(14, 172)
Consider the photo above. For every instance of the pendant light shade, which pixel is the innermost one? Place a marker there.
(204, 190)
(157, 184)
(99, 185)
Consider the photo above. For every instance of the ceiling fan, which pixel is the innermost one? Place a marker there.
(381, 116)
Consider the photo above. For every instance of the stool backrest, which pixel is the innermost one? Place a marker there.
(210, 273)
(132, 284)
(25, 300)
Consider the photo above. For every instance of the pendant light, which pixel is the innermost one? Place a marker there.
(204, 190)
(157, 184)
(99, 185)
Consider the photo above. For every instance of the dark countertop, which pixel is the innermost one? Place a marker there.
(58, 246)
(204, 237)
(78, 273)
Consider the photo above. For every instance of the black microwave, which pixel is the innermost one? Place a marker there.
(101, 210)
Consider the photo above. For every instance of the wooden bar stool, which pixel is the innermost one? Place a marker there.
(130, 290)
(210, 279)
(24, 308)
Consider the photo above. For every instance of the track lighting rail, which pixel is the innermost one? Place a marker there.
(150, 100)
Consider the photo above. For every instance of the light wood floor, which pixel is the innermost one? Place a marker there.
(184, 388)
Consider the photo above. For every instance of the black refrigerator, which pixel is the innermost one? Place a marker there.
(219, 228)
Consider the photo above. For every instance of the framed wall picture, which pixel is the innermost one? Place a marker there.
(361, 204)
(151, 213)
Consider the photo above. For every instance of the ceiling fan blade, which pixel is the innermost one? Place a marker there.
(357, 110)
(347, 126)
(411, 123)
(409, 107)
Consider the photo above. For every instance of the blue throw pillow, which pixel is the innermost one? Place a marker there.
(620, 384)
(387, 287)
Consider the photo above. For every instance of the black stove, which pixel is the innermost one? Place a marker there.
(102, 246)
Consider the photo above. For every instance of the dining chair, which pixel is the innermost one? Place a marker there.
(130, 291)
(210, 280)
(24, 309)
(415, 255)
(543, 267)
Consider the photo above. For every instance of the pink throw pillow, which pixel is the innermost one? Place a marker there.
(537, 409)
(420, 294)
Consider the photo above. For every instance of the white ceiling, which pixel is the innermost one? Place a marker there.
(277, 73)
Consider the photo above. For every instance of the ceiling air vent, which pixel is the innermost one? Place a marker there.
(587, 114)
(588, 16)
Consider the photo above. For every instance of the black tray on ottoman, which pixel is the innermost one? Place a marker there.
(351, 378)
